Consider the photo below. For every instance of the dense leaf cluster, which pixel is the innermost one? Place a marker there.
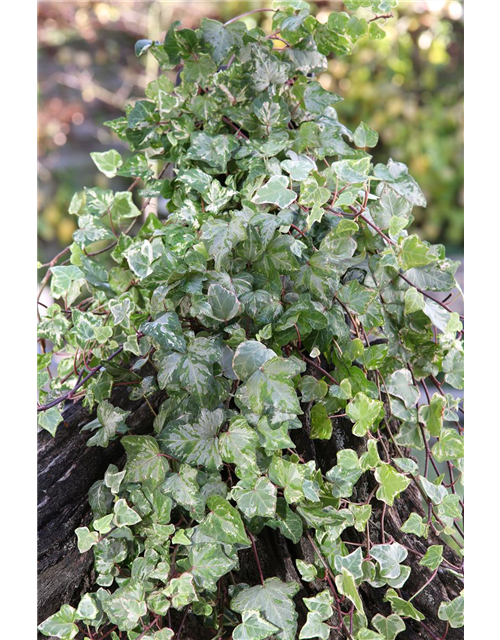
(282, 292)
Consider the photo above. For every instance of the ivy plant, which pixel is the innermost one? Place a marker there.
(281, 293)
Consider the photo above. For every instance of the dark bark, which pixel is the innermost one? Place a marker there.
(67, 469)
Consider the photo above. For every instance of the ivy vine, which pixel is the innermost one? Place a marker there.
(281, 292)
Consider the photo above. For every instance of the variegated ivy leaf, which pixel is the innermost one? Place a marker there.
(433, 557)
(389, 627)
(224, 303)
(307, 571)
(453, 612)
(364, 136)
(255, 498)
(276, 192)
(415, 524)
(124, 515)
(389, 557)
(181, 591)
(273, 600)
(401, 607)
(139, 257)
(50, 420)
(249, 357)
(253, 627)
(108, 162)
(346, 584)
(364, 412)
(223, 524)
(195, 442)
(61, 624)
(125, 606)
(110, 421)
(144, 460)
(86, 539)
(239, 444)
(208, 562)
(392, 483)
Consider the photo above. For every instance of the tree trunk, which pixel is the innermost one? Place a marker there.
(67, 468)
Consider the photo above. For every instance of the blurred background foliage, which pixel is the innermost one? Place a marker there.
(409, 87)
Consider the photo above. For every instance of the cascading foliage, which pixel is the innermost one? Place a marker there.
(283, 291)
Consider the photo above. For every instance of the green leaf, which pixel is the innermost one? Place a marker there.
(433, 557)
(389, 627)
(375, 32)
(415, 524)
(400, 384)
(347, 586)
(433, 413)
(452, 612)
(50, 420)
(249, 357)
(253, 627)
(450, 446)
(139, 257)
(166, 332)
(181, 590)
(392, 483)
(208, 563)
(356, 297)
(108, 162)
(225, 305)
(275, 192)
(273, 600)
(61, 624)
(364, 136)
(415, 253)
(389, 557)
(126, 605)
(321, 425)
(124, 515)
(86, 539)
(365, 412)
(255, 498)
(223, 524)
(307, 571)
(110, 421)
(221, 38)
(312, 389)
(401, 607)
(144, 461)
(123, 207)
(195, 442)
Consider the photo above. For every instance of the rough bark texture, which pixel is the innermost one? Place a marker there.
(67, 469)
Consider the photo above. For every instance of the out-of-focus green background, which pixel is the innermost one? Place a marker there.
(409, 87)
